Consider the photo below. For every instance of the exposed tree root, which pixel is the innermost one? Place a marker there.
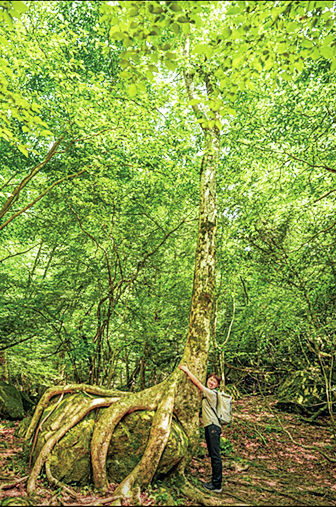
(161, 398)
(196, 495)
(113, 500)
(82, 410)
(40, 426)
(102, 434)
(259, 487)
(58, 483)
(12, 484)
(143, 473)
(70, 388)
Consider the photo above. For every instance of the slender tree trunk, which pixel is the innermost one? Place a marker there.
(143, 364)
(198, 339)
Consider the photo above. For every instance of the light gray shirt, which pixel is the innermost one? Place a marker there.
(209, 400)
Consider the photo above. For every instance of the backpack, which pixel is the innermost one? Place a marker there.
(223, 407)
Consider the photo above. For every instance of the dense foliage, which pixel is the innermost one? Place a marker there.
(100, 160)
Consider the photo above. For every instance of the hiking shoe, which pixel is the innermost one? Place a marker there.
(209, 486)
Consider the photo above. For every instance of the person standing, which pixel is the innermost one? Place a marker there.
(211, 425)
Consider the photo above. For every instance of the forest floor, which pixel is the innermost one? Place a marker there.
(261, 464)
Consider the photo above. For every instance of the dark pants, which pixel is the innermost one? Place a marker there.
(212, 437)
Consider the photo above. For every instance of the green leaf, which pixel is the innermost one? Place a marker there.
(104, 17)
(196, 20)
(157, 9)
(23, 150)
(226, 33)
(316, 54)
(176, 28)
(200, 48)
(149, 75)
(236, 62)
(46, 133)
(171, 56)
(7, 18)
(3, 41)
(132, 90)
(233, 10)
(193, 102)
(232, 111)
(209, 52)
(291, 27)
(175, 7)
(299, 65)
(125, 74)
(218, 124)
(282, 48)
(257, 65)
(222, 84)
(327, 52)
(170, 65)
(307, 43)
(118, 35)
(141, 87)
(286, 76)
(19, 6)
(186, 28)
(333, 65)
(182, 19)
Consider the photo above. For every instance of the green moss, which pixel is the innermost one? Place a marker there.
(301, 387)
(10, 402)
(16, 500)
(129, 442)
(70, 459)
(21, 430)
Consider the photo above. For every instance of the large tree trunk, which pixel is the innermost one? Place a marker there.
(174, 399)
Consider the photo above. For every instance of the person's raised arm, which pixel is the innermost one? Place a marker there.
(192, 377)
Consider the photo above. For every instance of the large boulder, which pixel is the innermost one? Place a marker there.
(70, 459)
(11, 406)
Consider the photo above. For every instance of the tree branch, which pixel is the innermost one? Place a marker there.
(15, 195)
(40, 196)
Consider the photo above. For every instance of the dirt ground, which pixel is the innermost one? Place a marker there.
(269, 458)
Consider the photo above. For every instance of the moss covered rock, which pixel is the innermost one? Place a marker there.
(10, 402)
(129, 442)
(70, 459)
(21, 430)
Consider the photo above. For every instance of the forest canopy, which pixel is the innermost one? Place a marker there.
(110, 112)
(100, 160)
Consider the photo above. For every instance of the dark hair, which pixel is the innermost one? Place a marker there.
(215, 376)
